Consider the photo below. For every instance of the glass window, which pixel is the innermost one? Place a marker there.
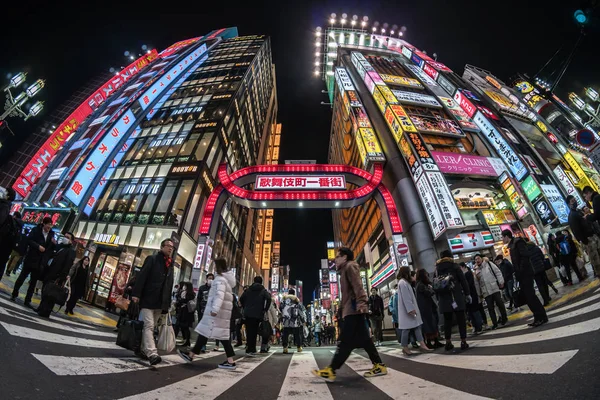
(188, 146)
(213, 151)
(151, 170)
(163, 170)
(191, 213)
(136, 235)
(203, 145)
(164, 202)
(183, 194)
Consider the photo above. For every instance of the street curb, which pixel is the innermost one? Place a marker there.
(567, 297)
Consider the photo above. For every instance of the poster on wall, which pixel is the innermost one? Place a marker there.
(557, 202)
(434, 216)
(121, 277)
(543, 210)
(445, 200)
(566, 183)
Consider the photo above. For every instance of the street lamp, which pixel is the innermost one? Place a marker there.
(13, 104)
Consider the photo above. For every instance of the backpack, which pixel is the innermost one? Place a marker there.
(565, 248)
(443, 283)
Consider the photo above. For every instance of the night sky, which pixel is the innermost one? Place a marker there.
(69, 45)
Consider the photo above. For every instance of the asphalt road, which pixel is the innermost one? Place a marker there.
(59, 359)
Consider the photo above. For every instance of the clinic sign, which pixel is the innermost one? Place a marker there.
(308, 182)
(464, 164)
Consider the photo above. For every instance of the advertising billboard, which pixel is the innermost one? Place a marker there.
(63, 131)
(566, 183)
(417, 99)
(434, 216)
(531, 188)
(466, 164)
(466, 242)
(297, 182)
(557, 202)
(266, 256)
(458, 113)
(372, 147)
(401, 81)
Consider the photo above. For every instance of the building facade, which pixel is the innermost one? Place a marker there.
(141, 166)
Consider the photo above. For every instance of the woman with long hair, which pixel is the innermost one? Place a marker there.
(185, 317)
(78, 277)
(409, 316)
(429, 309)
(216, 319)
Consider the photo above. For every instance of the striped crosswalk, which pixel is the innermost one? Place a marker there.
(69, 350)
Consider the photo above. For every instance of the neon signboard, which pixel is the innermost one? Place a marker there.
(300, 182)
(63, 132)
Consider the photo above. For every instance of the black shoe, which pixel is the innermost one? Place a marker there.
(238, 344)
(154, 359)
(449, 346)
(437, 344)
(28, 304)
(185, 356)
(227, 365)
(494, 327)
(464, 345)
(13, 299)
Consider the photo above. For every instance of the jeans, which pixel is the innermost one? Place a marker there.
(462, 324)
(592, 248)
(509, 287)
(354, 335)
(497, 299)
(475, 317)
(526, 285)
(317, 342)
(201, 343)
(25, 272)
(251, 332)
(377, 327)
(406, 334)
(286, 336)
(150, 318)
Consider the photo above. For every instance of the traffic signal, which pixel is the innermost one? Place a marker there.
(2, 125)
(581, 17)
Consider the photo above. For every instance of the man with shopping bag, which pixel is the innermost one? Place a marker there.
(152, 291)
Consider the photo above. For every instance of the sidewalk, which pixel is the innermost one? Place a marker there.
(83, 312)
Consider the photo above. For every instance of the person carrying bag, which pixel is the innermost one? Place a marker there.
(130, 331)
(166, 334)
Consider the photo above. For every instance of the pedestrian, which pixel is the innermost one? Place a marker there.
(453, 296)
(292, 322)
(428, 309)
(10, 227)
(539, 268)
(554, 253)
(524, 274)
(582, 228)
(409, 314)
(567, 250)
(255, 302)
(473, 307)
(78, 279)
(57, 272)
(354, 308)
(330, 333)
(152, 291)
(11, 241)
(490, 280)
(317, 331)
(271, 319)
(202, 298)
(40, 245)
(376, 315)
(127, 294)
(216, 320)
(240, 327)
(185, 315)
(507, 270)
(393, 309)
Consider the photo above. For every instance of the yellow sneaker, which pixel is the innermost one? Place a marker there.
(377, 370)
(326, 374)
(285, 350)
(299, 349)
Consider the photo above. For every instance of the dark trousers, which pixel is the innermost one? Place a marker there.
(33, 278)
(493, 300)
(377, 327)
(251, 332)
(46, 306)
(4, 256)
(75, 296)
(475, 317)
(238, 332)
(482, 313)
(462, 324)
(533, 302)
(542, 284)
(201, 343)
(286, 336)
(355, 335)
(570, 263)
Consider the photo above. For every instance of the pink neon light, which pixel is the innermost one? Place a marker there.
(395, 223)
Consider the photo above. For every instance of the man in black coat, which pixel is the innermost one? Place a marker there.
(10, 227)
(508, 274)
(524, 272)
(40, 243)
(57, 271)
(255, 302)
(152, 291)
(376, 315)
(592, 247)
(539, 268)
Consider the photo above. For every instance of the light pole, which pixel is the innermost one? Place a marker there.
(12, 107)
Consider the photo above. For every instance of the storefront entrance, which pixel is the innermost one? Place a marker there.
(104, 266)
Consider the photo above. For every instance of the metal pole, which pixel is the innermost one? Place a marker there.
(564, 69)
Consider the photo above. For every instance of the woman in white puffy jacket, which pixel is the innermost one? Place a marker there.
(216, 319)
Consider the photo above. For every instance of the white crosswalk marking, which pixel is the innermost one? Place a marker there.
(300, 382)
(34, 334)
(50, 324)
(538, 336)
(106, 365)
(399, 385)
(573, 305)
(207, 385)
(546, 363)
(30, 312)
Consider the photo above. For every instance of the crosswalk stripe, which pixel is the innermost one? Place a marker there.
(64, 366)
(573, 305)
(207, 385)
(399, 385)
(581, 311)
(546, 363)
(34, 334)
(29, 311)
(30, 318)
(300, 382)
(538, 336)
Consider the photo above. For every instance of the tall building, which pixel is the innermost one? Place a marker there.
(11, 165)
(141, 167)
(466, 158)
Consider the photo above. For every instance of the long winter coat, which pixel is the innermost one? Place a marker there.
(407, 302)
(447, 266)
(428, 308)
(34, 259)
(154, 283)
(474, 306)
(220, 301)
(489, 278)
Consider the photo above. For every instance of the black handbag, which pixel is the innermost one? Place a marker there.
(130, 335)
(519, 298)
(265, 329)
(56, 294)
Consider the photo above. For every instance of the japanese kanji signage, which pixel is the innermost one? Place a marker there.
(460, 115)
(502, 147)
(445, 200)
(465, 103)
(566, 183)
(416, 99)
(98, 157)
(372, 147)
(432, 211)
(343, 80)
(35, 216)
(266, 256)
(311, 182)
(401, 81)
(557, 202)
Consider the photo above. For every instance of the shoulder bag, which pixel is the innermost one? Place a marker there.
(166, 334)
